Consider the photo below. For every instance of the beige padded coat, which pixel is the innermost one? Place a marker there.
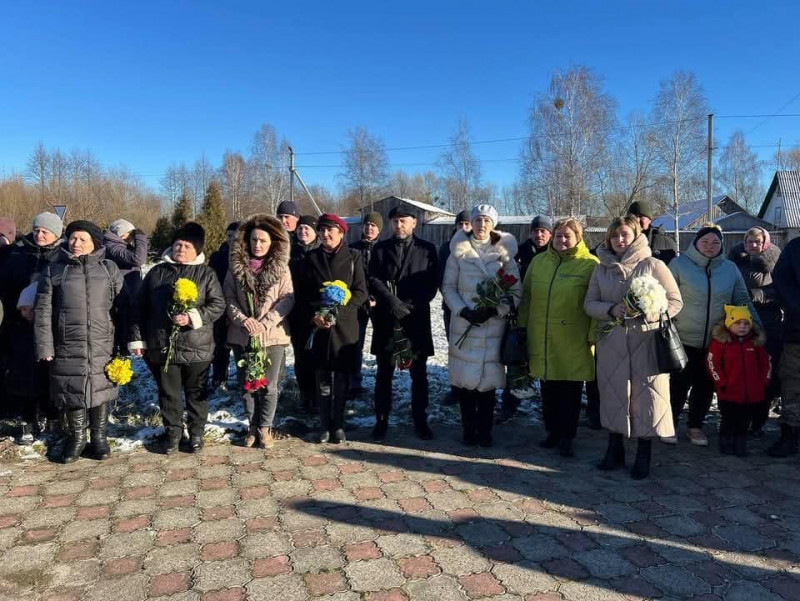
(634, 397)
(476, 364)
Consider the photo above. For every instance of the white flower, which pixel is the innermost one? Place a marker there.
(648, 295)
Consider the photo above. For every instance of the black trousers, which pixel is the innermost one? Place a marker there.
(305, 373)
(332, 397)
(735, 417)
(419, 387)
(192, 378)
(694, 383)
(222, 354)
(561, 407)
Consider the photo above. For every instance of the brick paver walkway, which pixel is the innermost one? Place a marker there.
(427, 521)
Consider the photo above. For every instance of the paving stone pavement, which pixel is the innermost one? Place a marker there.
(402, 521)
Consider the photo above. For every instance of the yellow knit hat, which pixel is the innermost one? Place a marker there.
(735, 313)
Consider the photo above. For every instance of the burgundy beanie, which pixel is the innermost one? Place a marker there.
(332, 220)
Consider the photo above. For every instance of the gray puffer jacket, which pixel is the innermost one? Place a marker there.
(152, 323)
(73, 325)
(706, 286)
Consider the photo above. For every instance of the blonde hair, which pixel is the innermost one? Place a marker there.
(571, 224)
(755, 232)
(630, 221)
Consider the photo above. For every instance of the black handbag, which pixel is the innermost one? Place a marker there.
(670, 354)
(514, 346)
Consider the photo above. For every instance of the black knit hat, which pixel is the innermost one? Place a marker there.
(308, 220)
(193, 233)
(90, 228)
(287, 207)
(641, 208)
(462, 216)
(233, 226)
(709, 229)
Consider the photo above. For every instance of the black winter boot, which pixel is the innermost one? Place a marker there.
(486, 403)
(615, 453)
(740, 444)
(786, 445)
(324, 419)
(726, 446)
(337, 422)
(76, 428)
(98, 426)
(565, 448)
(641, 468)
(551, 442)
(172, 440)
(469, 416)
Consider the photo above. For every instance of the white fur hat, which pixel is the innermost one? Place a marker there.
(486, 211)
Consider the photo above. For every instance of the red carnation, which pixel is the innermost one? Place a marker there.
(248, 386)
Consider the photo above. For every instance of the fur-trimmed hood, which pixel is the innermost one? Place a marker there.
(721, 334)
(504, 244)
(277, 259)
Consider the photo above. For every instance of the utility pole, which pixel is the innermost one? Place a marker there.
(710, 176)
(291, 174)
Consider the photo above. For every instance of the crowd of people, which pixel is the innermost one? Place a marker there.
(73, 298)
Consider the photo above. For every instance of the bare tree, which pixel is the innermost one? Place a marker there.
(365, 166)
(680, 112)
(787, 160)
(568, 148)
(739, 172)
(234, 179)
(461, 170)
(200, 177)
(38, 169)
(269, 167)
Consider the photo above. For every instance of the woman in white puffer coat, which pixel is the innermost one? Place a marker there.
(475, 368)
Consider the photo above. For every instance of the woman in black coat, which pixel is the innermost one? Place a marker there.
(334, 347)
(73, 328)
(756, 258)
(193, 350)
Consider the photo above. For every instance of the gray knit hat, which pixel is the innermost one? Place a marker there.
(542, 222)
(120, 227)
(49, 221)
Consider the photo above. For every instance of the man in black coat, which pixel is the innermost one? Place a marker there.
(404, 275)
(372, 225)
(662, 246)
(541, 233)
(219, 262)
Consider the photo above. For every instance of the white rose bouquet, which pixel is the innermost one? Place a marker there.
(646, 297)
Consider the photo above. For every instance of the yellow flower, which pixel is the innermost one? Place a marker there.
(185, 292)
(343, 286)
(119, 371)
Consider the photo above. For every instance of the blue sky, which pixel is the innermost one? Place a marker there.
(148, 84)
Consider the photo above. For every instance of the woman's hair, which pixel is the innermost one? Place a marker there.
(630, 221)
(755, 232)
(571, 224)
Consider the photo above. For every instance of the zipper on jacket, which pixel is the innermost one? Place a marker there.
(708, 304)
(547, 313)
(88, 389)
(744, 372)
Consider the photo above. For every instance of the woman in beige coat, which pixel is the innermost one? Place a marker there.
(259, 277)
(634, 397)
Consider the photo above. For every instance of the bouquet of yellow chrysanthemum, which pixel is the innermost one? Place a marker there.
(184, 299)
(119, 371)
(335, 294)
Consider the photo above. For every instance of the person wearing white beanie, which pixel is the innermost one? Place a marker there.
(127, 247)
(122, 228)
(484, 210)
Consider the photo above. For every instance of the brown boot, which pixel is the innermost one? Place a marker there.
(267, 438)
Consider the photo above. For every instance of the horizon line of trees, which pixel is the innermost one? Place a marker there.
(579, 158)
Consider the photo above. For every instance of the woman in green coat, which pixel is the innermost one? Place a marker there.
(560, 334)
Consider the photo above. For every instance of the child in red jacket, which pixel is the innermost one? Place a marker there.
(740, 368)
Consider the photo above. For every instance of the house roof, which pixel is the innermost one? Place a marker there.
(690, 212)
(752, 220)
(789, 182)
(422, 206)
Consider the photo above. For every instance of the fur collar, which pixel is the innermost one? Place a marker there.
(276, 262)
(721, 334)
(763, 262)
(502, 243)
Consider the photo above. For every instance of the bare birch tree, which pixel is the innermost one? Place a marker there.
(269, 167)
(365, 166)
(234, 178)
(567, 150)
(680, 112)
(460, 169)
(38, 169)
(739, 172)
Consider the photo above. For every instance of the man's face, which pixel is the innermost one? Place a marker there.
(644, 222)
(289, 222)
(464, 226)
(403, 227)
(371, 231)
(231, 236)
(540, 236)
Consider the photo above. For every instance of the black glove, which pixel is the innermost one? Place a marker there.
(471, 315)
(399, 309)
(482, 315)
